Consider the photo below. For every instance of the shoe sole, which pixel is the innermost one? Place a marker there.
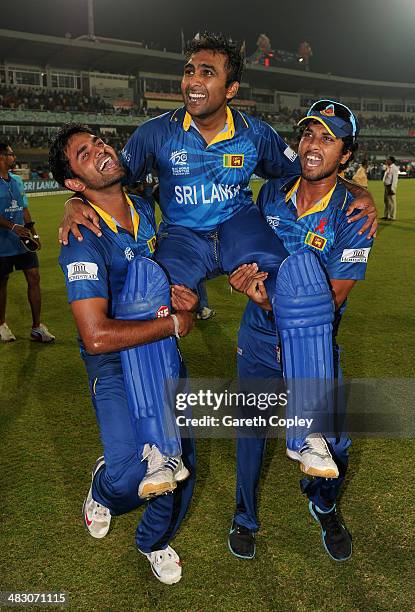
(34, 339)
(154, 490)
(313, 514)
(241, 556)
(8, 341)
(329, 473)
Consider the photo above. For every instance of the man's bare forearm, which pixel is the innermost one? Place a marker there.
(116, 335)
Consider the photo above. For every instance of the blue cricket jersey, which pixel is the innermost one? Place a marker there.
(323, 229)
(97, 267)
(202, 185)
(12, 203)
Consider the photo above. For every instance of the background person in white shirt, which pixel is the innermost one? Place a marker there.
(390, 180)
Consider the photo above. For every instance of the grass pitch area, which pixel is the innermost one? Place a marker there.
(49, 442)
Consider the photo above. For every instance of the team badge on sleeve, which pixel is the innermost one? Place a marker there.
(315, 241)
(82, 270)
(233, 161)
(355, 255)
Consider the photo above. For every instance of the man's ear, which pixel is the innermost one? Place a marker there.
(74, 184)
(232, 90)
(345, 157)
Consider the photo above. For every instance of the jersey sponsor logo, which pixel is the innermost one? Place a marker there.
(179, 163)
(321, 227)
(82, 270)
(233, 161)
(13, 208)
(355, 255)
(152, 244)
(162, 312)
(129, 254)
(273, 221)
(190, 194)
(292, 155)
(315, 241)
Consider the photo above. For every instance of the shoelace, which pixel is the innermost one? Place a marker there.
(101, 513)
(318, 447)
(241, 530)
(157, 461)
(332, 526)
(161, 555)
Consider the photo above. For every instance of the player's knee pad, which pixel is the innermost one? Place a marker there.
(151, 370)
(303, 310)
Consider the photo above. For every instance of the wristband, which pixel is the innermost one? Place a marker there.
(176, 326)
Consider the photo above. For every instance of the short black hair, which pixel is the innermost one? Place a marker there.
(392, 158)
(58, 160)
(349, 144)
(3, 147)
(219, 43)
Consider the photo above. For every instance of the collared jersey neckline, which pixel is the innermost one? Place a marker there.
(113, 223)
(317, 207)
(227, 133)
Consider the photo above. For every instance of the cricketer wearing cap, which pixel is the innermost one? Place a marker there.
(204, 155)
(95, 270)
(308, 213)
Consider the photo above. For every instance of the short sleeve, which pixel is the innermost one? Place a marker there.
(85, 269)
(349, 257)
(276, 159)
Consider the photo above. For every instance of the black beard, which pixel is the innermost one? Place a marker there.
(104, 183)
(319, 177)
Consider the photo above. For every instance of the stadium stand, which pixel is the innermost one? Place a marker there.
(128, 84)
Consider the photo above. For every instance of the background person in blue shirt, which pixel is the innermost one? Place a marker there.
(95, 270)
(308, 213)
(14, 214)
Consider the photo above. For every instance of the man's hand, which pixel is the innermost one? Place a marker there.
(365, 203)
(78, 213)
(249, 281)
(242, 277)
(21, 231)
(183, 298)
(186, 322)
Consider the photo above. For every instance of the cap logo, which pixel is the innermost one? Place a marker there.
(328, 111)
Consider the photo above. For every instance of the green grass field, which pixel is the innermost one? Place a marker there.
(49, 441)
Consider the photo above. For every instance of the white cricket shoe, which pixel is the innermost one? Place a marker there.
(206, 313)
(6, 334)
(96, 518)
(165, 565)
(41, 334)
(315, 458)
(163, 473)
